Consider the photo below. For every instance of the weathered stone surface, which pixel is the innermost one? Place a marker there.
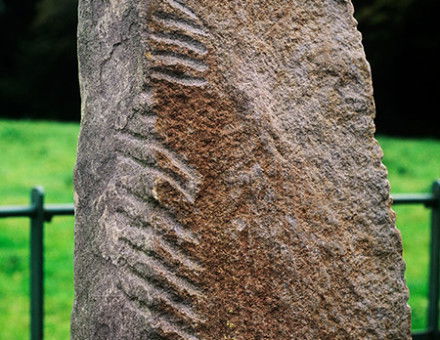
(228, 183)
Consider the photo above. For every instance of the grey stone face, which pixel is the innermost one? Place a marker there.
(228, 185)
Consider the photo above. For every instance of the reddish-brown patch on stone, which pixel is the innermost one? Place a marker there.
(265, 176)
(246, 273)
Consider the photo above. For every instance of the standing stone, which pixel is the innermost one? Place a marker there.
(228, 183)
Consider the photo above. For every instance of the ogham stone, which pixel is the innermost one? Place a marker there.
(228, 185)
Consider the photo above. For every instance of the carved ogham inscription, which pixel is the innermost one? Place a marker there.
(176, 50)
(228, 182)
(157, 274)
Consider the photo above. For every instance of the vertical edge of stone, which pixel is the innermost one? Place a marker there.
(377, 156)
(111, 76)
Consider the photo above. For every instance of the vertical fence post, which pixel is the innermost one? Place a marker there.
(434, 270)
(36, 264)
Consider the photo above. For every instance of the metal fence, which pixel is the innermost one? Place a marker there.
(39, 213)
(431, 201)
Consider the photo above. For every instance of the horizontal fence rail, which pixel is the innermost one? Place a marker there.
(39, 213)
(426, 199)
(49, 211)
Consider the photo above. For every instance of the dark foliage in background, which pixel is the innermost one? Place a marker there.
(38, 67)
(38, 70)
(402, 40)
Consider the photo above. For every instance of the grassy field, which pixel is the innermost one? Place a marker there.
(36, 153)
(412, 166)
(42, 153)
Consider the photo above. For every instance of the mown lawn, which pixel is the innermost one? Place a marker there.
(43, 153)
(412, 166)
(36, 153)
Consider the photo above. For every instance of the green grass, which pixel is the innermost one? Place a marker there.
(412, 166)
(43, 153)
(36, 153)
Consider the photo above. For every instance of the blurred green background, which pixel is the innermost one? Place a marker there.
(37, 153)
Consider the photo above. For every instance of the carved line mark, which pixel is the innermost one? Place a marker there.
(174, 309)
(127, 148)
(163, 220)
(178, 256)
(159, 284)
(180, 40)
(143, 125)
(159, 245)
(174, 21)
(176, 77)
(175, 59)
(158, 261)
(148, 268)
(166, 176)
(168, 329)
(183, 8)
(157, 268)
(159, 301)
(142, 225)
(143, 143)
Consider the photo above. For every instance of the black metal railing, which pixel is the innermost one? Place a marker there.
(431, 201)
(39, 213)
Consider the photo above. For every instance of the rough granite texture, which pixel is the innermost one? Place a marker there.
(228, 184)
